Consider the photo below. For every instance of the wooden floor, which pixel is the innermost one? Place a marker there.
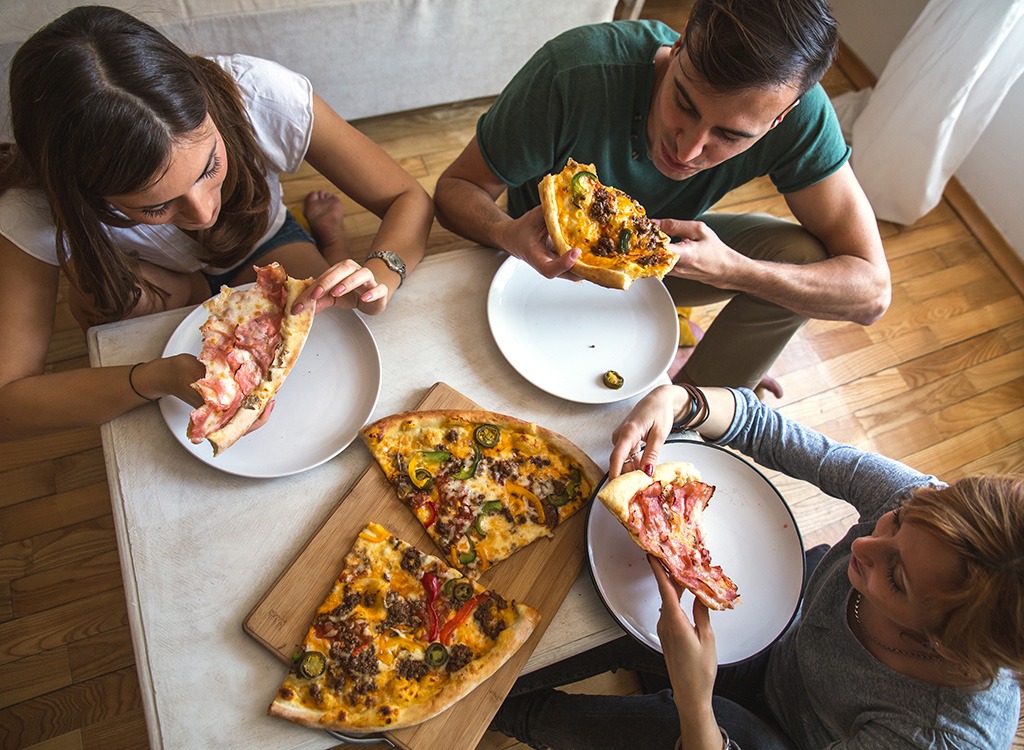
(938, 383)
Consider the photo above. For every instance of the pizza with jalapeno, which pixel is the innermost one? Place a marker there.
(664, 515)
(482, 484)
(619, 242)
(400, 638)
(251, 342)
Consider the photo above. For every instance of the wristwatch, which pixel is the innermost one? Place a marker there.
(392, 260)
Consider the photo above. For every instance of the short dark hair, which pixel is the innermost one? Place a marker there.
(742, 44)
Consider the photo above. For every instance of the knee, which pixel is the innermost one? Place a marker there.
(791, 243)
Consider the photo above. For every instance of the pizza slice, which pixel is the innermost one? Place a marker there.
(619, 242)
(482, 484)
(251, 342)
(664, 516)
(399, 639)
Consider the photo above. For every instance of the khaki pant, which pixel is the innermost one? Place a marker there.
(749, 333)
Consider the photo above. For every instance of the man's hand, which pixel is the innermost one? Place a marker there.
(527, 238)
(703, 256)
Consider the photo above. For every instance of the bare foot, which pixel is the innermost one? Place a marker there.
(683, 352)
(326, 216)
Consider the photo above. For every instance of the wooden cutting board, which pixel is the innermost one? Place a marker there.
(539, 575)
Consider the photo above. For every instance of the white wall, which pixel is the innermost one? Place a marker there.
(993, 172)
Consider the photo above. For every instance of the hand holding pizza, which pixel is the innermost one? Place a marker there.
(640, 436)
(690, 656)
(527, 238)
(702, 255)
(346, 284)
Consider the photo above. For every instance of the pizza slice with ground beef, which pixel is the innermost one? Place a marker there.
(482, 484)
(619, 242)
(400, 638)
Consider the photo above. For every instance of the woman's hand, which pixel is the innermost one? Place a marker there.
(174, 377)
(649, 422)
(691, 659)
(689, 648)
(345, 284)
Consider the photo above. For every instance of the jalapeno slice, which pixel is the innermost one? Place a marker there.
(613, 380)
(467, 471)
(579, 190)
(462, 591)
(436, 655)
(487, 435)
(624, 237)
(312, 664)
(569, 492)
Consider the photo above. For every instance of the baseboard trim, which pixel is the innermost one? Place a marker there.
(977, 223)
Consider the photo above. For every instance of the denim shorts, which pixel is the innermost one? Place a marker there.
(290, 232)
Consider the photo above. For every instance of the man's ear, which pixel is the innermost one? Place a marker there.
(782, 115)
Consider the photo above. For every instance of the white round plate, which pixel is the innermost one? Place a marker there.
(326, 399)
(563, 336)
(751, 533)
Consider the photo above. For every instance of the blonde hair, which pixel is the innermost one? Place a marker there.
(982, 519)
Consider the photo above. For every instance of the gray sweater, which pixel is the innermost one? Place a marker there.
(822, 685)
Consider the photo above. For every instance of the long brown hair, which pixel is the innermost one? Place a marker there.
(97, 100)
(982, 519)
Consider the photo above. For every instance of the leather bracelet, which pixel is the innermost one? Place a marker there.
(132, 385)
(703, 411)
(683, 422)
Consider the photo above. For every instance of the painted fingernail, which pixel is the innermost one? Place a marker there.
(339, 290)
(649, 470)
(297, 309)
(317, 293)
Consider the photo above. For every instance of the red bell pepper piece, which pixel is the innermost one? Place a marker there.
(432, 586)
(460, 617)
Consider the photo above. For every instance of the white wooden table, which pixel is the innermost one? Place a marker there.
(199, 547)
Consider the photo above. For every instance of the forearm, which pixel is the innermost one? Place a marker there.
(86, 397)
(42, 404)
(469, 211)
(698, 727)
(405, 227)
(842, 287)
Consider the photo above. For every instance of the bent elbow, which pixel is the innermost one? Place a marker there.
(875, 308)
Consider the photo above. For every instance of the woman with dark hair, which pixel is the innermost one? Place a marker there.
(149, 178)
(911, 632)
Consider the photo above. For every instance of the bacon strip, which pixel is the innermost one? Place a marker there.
(240, 342)
(668, 520)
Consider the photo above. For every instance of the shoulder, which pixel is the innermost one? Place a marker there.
(610, 43)
(25, 220)
(279, 103)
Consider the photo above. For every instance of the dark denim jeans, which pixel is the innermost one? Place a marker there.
(542, 717)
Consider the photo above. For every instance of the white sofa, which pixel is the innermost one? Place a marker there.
(364, 57)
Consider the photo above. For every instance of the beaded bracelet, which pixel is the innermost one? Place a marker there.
(130, 383)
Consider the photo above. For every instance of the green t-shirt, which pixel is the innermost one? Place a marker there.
(586, 94)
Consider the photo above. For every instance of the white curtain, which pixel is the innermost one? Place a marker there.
(941, 87)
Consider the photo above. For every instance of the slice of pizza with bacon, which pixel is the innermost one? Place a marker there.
(664, 515)
(251, 342)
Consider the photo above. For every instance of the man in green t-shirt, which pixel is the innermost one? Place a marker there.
(677, 122)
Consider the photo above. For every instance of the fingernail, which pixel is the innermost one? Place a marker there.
(649, 470)
(317, 292)
(339, 290)
(297, 309)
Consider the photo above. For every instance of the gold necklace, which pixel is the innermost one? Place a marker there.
(914, 654)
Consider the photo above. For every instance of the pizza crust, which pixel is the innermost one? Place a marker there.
(619, 492)
(294, 332)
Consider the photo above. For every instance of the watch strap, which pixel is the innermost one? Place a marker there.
(392, 260)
